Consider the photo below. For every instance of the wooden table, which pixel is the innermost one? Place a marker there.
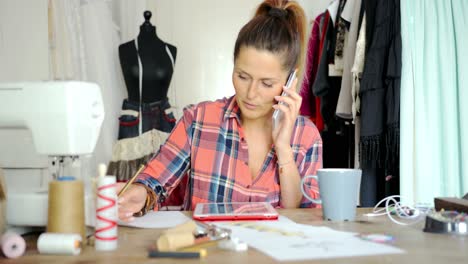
(420, 247)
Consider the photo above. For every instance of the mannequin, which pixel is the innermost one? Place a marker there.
(157, 58)
(147, 65)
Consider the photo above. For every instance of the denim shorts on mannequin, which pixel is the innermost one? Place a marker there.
(154, 116)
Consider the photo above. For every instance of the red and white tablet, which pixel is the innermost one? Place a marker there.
(234, 211)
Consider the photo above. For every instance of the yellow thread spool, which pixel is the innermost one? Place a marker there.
(66, 208)
(173, 241)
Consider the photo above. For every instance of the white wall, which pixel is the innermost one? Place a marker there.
(23, 57)
(204, 32)
(23, 40)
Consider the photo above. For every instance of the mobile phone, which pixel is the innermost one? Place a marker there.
(277, 114)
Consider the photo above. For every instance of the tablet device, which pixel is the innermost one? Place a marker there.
(234, 211)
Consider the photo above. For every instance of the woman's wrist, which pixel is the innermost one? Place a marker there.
(281, 166)
(150, 200)
(284, 155)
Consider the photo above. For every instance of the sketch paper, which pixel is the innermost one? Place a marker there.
(289, 241)
(158, 219)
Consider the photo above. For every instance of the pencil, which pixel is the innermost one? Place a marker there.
(177, 254)
(200, 245)
(142, 166)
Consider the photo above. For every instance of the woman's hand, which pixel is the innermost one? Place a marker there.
(290, 108)
(131, 201)
(287, 169)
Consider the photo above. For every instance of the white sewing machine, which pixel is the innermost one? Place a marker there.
(46, 128)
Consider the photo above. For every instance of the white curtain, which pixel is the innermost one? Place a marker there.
(84, 47)
(67, 56)
(101, 41)
(130, 17)
(434, 94)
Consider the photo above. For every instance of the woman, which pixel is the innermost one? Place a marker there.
(230, 147)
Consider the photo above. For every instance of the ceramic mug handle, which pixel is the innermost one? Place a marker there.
(317, 201)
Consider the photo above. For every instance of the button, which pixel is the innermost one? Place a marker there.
(248, 186)
(246, 163)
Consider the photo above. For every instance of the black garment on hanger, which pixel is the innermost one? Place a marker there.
(380, 90)
(380, 100)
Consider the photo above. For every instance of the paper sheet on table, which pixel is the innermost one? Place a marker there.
(285, 240)
(158, 219)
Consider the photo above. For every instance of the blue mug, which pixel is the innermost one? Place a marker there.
(339, 190)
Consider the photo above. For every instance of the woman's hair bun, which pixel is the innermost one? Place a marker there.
(277, 12)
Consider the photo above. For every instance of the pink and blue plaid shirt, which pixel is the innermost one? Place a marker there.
(209, 142)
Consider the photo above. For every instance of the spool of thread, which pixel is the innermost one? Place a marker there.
(59, 244)
(102, 169)
(12, 245)
(66, 207)
(174, 241)
(106, 214)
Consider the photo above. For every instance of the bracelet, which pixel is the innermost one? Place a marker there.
(281, 165)
(286, 163)
(149, 201)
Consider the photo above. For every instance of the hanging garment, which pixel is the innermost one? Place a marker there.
(326, 85)
(342, 27)
(344, 105)
(336, 147)
(380, 90)
(310, 106)
(357, 68)
(380, 101)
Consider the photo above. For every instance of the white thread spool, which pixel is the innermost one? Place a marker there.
(59, 244)
(12, 245)
(106, 214)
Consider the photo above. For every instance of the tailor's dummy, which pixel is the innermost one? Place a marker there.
(157, 59)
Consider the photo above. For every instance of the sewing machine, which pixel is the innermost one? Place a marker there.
(47, 130)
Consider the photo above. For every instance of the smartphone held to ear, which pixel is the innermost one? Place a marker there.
(278, 114)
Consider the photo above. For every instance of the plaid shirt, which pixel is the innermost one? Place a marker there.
(209, 141)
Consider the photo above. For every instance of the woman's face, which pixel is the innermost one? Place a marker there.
(257, 77)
